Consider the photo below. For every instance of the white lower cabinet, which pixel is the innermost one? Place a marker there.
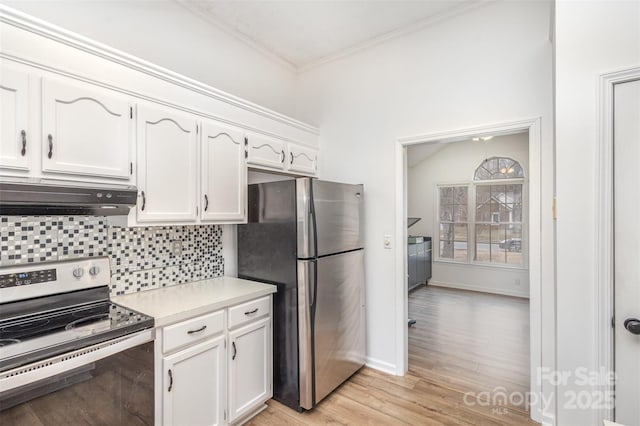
(194, 385)
(213, 373)
(249, 368)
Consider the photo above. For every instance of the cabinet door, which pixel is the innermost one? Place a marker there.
(193, 385)
(267, 152)
(16, 144)
(249, 368)
(224, 174)
(86, 131)
(167, 166)
(302, 159)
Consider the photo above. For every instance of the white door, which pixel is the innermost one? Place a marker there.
(193, 382)
(16, 144)
(302, 159)
(167, 166)
(249, 368)
(86, 130)
(627, 251)
(267, 152)
(224, 174)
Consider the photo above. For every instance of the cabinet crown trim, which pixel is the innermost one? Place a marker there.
(53, 32)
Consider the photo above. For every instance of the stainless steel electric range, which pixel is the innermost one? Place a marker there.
(67, 354)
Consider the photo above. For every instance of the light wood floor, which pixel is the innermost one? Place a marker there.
(463, 342)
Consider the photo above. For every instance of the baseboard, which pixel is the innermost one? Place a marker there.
(548, 420)
(481, 289)
(380, 365)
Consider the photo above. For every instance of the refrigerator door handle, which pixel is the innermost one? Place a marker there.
(306, 306)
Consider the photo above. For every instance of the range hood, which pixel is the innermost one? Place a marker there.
(29, 196)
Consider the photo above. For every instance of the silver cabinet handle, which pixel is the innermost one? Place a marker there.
(50, 138)
(198, 330)
(170, 381)
(251, 312)
(234, 350)
(23, 134)
(291, 154)
(282, 160)
(206, 202)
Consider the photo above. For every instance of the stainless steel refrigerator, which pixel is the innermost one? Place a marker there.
(306, 237)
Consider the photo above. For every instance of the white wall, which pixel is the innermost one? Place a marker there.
(490, 65)
(592, 38)
(455, 163)
(167, 34)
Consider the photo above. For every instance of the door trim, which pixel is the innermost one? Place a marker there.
(533, 126)
(604, 244)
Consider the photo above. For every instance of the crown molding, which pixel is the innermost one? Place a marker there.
(42, 28)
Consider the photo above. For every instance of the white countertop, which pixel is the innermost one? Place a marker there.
(177, 303)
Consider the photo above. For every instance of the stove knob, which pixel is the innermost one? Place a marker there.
(94, 270)
(78, 272)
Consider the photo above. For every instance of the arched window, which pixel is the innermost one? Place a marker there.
(498, 168)
(483, 222)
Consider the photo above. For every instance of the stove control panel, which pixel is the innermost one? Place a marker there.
(26, 278)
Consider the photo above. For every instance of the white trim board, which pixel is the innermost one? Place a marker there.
(533, 126)
(479, 289)
(604, 241)
(380, 365)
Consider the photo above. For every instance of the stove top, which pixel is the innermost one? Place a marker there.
(36, 328)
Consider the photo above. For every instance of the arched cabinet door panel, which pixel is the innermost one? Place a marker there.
(16, 141)
(223, 174)
(167, 166)
(265, 151)
(85, 130)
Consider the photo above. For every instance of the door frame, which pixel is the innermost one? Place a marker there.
(604, 243)
(533, 127)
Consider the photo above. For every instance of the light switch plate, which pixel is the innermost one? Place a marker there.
(387, 242)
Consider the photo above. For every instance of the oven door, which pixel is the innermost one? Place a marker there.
(110, 383)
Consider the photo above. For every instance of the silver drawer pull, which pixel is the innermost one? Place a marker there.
(198, 330)
(251, 312)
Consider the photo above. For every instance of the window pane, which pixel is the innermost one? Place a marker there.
(446, 196)
(483, 205)
(460, 232)
(483, 237)
(499, 168)
(446, 232)
(513, 245)
(460, 196)
(460, 213)
(497, 254)
(446, 213)
(446, 249)
(460, 251)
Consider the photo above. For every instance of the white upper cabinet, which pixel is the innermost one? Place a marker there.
(167, 166)
(224, 174)
(16, 144)
(85, 130)
(265, 151)
(302, 159)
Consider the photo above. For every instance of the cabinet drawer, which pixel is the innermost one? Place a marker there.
(193, 330)
(246, 312)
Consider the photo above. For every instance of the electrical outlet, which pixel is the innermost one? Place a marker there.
(387, 242)
(176, 248)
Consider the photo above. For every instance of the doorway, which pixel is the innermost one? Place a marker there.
(532, 130)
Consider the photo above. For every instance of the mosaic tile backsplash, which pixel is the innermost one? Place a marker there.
(141, 258)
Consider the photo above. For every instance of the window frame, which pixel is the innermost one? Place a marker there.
(472, 222)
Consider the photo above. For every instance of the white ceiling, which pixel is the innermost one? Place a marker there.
(307, 32)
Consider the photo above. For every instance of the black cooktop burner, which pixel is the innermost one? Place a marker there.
(61, 329)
